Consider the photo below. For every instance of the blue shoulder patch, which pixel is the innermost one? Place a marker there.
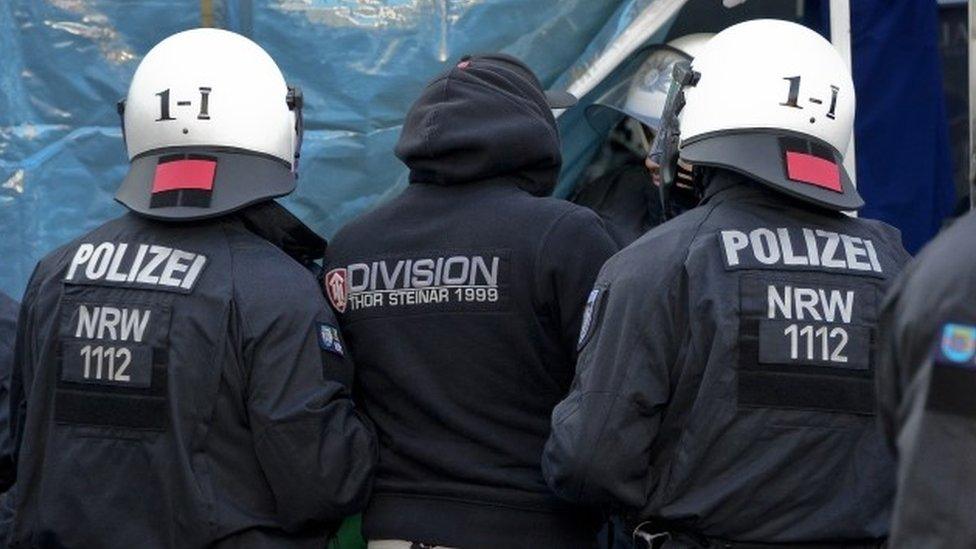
(329, 339)
(952, 382)
(958, 345)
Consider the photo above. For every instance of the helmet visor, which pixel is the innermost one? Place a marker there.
(640, 96)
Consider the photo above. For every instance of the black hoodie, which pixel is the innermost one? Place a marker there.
(461, 300)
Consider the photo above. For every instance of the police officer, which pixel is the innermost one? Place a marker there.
(620, 186)
(178, 382)
(723, 396)
(926, 383)
(461, 299)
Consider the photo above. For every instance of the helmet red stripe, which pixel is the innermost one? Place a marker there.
(184, 174)
(807, 168)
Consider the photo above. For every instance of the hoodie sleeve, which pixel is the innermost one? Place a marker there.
(571, 254)
(316, 450)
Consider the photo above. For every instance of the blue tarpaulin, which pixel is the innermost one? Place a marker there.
(361, 63)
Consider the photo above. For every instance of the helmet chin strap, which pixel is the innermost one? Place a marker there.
(120, 108)
(664, 150)
(296, 102)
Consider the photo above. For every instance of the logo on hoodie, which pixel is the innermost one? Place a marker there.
(440, 280)
(337, 289)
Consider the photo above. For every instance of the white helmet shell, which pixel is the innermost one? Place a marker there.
(771, 74)
(209, 87)
(213, 92)
(762, 81)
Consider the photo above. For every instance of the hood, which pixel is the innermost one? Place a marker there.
(484, 118)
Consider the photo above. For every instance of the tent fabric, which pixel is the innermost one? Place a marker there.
(904, 166)
(903, 155)
(360, 63)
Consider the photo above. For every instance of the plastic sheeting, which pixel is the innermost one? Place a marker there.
(360, 63)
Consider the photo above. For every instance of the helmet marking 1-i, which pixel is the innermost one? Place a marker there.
(210, 126)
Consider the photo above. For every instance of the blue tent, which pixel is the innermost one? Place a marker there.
(361, 63)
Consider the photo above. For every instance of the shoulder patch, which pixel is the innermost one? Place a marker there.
(593, 305)
(329, 339)
(958, 344)
(952, 382)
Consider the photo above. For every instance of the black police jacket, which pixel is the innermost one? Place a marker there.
(9, 310)
(182, 386)
(725, 382)
(926, 388)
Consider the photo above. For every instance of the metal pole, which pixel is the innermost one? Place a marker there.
(840, 36)
(972, 103)
(206, 13)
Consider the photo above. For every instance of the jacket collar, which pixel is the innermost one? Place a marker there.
(272, 222)
(725, 185)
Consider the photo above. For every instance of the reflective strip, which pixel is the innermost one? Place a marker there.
(184, 174)
(807, 168)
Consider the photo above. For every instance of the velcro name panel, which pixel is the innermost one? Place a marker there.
(112, 363)
(807, 342)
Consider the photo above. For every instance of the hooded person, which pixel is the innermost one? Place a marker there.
(179, 380)
(460, 300)
(622, 184)
(724, 391)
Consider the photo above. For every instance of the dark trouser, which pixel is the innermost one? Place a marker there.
(648, 537)
(615, 535)
(400, 544)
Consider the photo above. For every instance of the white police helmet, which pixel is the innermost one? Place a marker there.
(642, 96)
(210, 126)
(774, 100)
